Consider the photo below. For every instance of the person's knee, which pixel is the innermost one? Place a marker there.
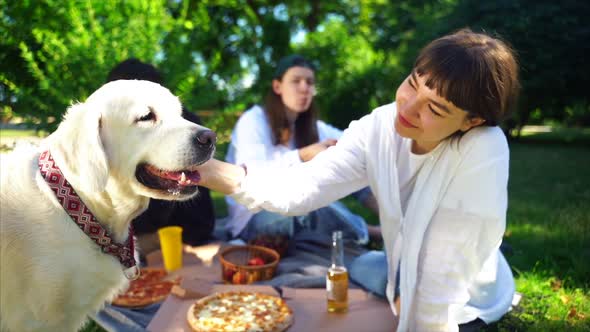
(336, 216)
(370, 271)
(267, 223)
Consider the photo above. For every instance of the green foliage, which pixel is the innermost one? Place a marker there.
(551, 41)
(577, 113)
(363, 54)
(353, 77)
(218, 54)
(219, 204)
(222, 123)
(66, 49)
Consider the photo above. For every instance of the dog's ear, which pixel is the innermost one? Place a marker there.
(78, 145)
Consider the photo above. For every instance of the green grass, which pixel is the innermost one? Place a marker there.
(549, 230)
(557, 135)
(20, 133)
(8, 136)
(91, 326)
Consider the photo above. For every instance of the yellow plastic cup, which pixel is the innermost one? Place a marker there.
(171, 245)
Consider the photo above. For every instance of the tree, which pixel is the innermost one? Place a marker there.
(66, 49)
(365, 51)
(220, 54)
(551, 40)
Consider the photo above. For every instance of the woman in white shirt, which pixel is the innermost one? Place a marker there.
(437, 164)
(283, 133)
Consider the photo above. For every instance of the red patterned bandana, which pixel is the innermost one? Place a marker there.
(82, 216)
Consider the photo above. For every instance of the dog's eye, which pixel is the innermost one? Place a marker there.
(149, 116)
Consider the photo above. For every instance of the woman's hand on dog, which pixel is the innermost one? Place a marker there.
(221, 176)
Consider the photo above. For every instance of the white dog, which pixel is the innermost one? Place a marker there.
(125, 144)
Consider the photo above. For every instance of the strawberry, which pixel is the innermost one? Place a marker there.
(256, 261)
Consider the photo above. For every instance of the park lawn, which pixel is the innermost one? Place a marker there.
(548, 230)
(22, 133)
(559, 135)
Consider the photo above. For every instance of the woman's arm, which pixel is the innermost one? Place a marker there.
(221, 176)
(301, 188)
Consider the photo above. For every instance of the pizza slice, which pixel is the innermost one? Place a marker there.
(151, 287)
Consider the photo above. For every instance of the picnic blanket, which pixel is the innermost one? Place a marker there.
(304, 267)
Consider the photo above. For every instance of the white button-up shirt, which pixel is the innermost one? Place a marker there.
(252, 144)
(446, 243)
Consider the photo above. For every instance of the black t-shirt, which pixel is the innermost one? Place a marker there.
(196, 217)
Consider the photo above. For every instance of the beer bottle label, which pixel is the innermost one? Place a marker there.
(336, 290)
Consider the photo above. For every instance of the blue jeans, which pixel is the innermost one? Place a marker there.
(319, 223)
(369, 270)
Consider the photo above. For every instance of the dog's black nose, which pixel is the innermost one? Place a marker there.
(206, 138)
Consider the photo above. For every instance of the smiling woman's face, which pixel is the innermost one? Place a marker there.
(425, 117)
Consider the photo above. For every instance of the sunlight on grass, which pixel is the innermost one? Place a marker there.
(548, 305)
(21, 133)
(558, 135)
(549, 230)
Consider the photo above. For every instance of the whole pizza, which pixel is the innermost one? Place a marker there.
(240, 311)
(151, 287)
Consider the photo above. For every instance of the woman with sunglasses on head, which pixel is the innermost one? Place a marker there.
(437, 163)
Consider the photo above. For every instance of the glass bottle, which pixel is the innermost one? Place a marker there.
(337, 277)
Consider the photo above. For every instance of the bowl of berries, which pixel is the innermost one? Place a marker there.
(247, 264)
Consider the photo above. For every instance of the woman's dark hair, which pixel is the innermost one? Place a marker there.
(476, 72)
(134, 69)
(305, 127)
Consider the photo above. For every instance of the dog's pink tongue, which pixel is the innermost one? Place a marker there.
(184, 178)
(170, 175)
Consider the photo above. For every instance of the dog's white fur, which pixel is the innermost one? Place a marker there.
(52, 275)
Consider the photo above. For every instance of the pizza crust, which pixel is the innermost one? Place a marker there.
(146, 290)
(138, 303)
(251, 312)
